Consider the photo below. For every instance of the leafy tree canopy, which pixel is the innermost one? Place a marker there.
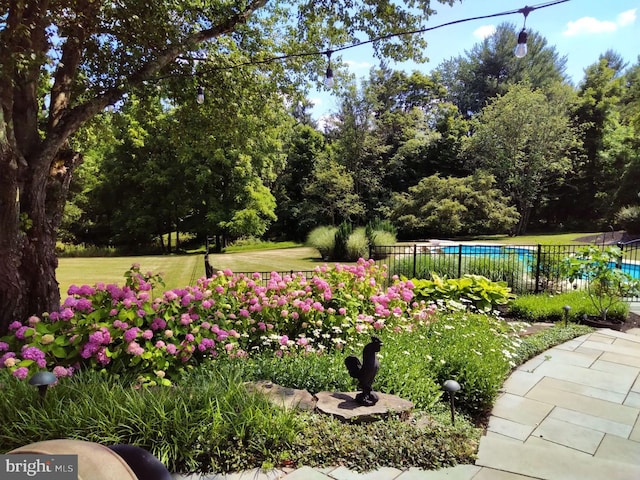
(454, 206)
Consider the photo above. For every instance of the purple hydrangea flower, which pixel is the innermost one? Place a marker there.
(131, 334)
(21, 373)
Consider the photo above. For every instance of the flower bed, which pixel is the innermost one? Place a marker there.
(126, 328)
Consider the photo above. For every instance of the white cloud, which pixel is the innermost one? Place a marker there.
(627, 18)
(590, 25)
(484, 31)
(357, 65)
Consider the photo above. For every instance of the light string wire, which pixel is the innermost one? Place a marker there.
(524, 11)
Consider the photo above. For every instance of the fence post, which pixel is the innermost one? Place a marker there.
(538, 261)
(619, 261)
(415, 259)
(460, 260)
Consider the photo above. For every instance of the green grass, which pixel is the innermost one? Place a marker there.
(244, 247)
(540, 238)
(178, 270)
(550, 308)
(296, 259)
(181, 270)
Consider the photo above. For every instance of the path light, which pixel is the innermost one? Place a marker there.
(566, 309)
(451, 387)
(42, 380)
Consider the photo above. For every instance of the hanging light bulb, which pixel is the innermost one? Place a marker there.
(200, 97)
(521, 49)
(328, 79)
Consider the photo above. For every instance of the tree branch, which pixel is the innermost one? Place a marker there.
(71, 120)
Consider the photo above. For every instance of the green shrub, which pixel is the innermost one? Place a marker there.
(340, 250)
(69, 250)
(378, 225)
(549, 268)
(475, 290)
(381, 238)
(324, 239)
(605, 283)
(550, 308)
(357, 245)
(206, 424)
(629, 218)
(475, 350)
(315, 373)
(545, 339)
(497, 269)
(393, 443)
(426, 264)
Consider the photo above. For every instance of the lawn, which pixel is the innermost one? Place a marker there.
(575, 238)
(177, 270)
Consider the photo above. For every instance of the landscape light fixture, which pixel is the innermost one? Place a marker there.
(521, 48)
(42, 380)
(200, 97)
(566, 309)
(451, 387)
(328, 79)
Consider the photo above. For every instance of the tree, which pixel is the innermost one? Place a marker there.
(490, 67)
(454, 206)
(330, 195)
(305, 147)
(82, 56)
(522, 138)
(605, 140)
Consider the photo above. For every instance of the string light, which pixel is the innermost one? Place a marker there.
(200, 96)
(521, 48)
(328, 79)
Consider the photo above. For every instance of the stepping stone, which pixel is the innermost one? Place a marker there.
(343, 405)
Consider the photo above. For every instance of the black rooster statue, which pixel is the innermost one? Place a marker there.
(365, 372)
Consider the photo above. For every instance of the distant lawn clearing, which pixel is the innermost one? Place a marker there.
(540, 238)
(177, 270)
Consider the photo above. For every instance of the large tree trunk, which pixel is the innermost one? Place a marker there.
(12, 289)
(32, 201)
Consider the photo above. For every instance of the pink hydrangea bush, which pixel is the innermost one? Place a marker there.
(127, 329)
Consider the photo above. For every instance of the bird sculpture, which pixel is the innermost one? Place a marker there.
(365, 372)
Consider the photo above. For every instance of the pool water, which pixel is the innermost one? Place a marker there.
(523, 253)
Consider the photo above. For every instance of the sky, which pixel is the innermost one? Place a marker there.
(581, 30)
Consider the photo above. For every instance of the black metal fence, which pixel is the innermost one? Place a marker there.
(525, 268)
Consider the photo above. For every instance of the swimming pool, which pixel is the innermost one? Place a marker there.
(522, 253)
